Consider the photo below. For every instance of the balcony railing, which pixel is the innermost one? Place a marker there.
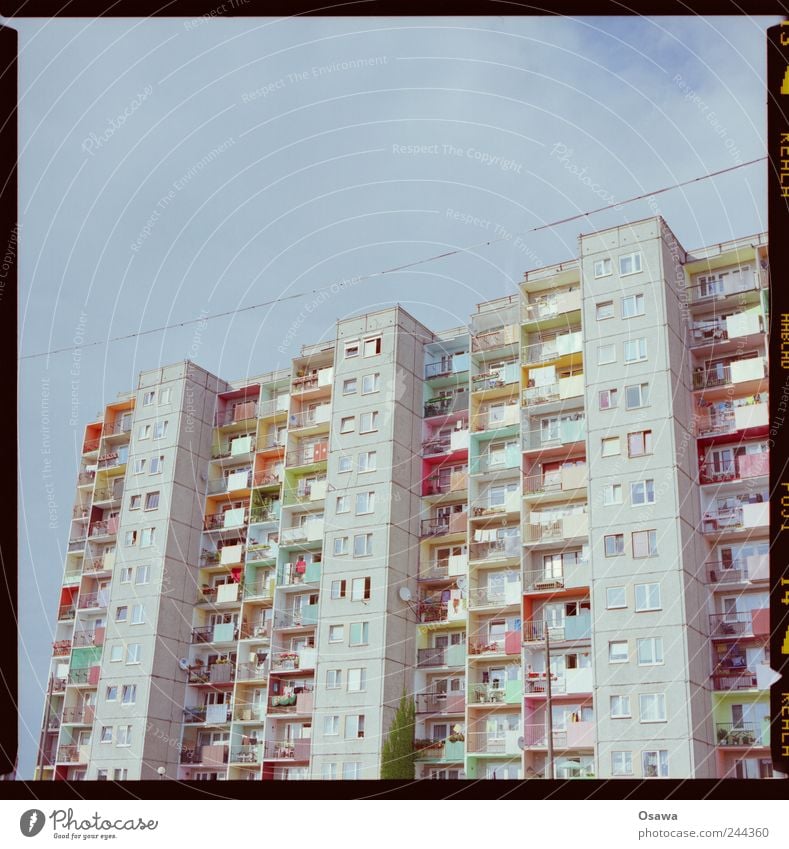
(58, 685)
(724, 375)
(262, 477)
(218, 521)
(492, 380)
(78, 715)
(229, 484)
(551, 349)
(110, 461)
(434, 527)
(744, 467)
(91, 445)
(310, 418)
(225, 451)
(443, 369)
(66, 612)
(490, 340)
(83, 639)
(78, 676)
(431, 657)
(733, 734)
(731, 624)
(257, 553)
(69, 754)
(107, 528)
(206, 634)
(315, 453)
(117, 427)
(61, 648)
(246, 754)
(85, 478)
(114, 493)
(302, 618)
(261, 590)
(729, 572)
(214, 673)
(288, 750)
(93, 600)
(433, 701)
(705, 332)
(200, 754)
(256, 631)
(488, 597)
(446, 405)
(215, 714)
(745, 680)
(239, 413)
(549, 306)
(491, 743)
(500, 549)
(252, 671)
(259, 515)
(715, 290)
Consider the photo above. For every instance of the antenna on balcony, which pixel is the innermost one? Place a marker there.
(183, 663)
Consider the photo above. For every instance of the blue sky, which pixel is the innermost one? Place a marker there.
(264, 157)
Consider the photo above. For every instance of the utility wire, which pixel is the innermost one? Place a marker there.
(375, 274)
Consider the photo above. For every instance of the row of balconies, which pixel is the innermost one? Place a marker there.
(730, 373)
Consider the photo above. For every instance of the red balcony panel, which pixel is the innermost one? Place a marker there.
(93, 675)
(512, 642)
(761, 622)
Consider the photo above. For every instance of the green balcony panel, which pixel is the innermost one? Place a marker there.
(513, 691)
(313, 573)
(578, 627)
(456, 655)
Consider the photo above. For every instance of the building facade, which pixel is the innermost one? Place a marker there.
(549, 527)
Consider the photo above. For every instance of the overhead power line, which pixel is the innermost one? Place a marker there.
(376, 274)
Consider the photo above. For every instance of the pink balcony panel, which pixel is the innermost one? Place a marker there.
(93, 675)
(512, 642)
(304, 702)
(761, 622)
(752, 465)
(580, 735)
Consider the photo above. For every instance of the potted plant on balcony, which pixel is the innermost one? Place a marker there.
(723, 736)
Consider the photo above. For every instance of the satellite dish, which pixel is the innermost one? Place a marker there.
(521, 743)
(183, 663)
(405, 594)
(461, 582)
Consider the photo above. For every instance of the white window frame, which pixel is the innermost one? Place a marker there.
(643, 396)
(612, 494)
(657, 656)
(623, 708)
(606, 354)
(614, 651)
(602, 268)
(372, 427)
(635, 259)
(640, 352)
(376, 383)
(644, 601)
(607, 446)
(604, 310)
(645, 487)
(616, 605)
(658, 701)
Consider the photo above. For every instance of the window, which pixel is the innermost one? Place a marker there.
(129, 694)
(621, 763)
(635, 350)
(644, 543)
(341, 545)
(130, 539)
(652, 707)
(617, 651)
(111, 694)
(614, 544)
(370, 383)
(151, 500)
(121, 613)
(345, 464)
(604, 310)
(349, 386)
(160, 430)
(629, 264)
(124, 735)
(647, 597)
(121, 773)
(134, 502)
(602, 267)
(642, 492)
(650, 651)
(351, 349)
(331, 726)
(368, 422)
(367, 461)
(360, 589)
(338, 589)
(157, 465)
(362, 545)
(139, 465)
(329, 772)
(655, 763)
(116, 654)
(607, 399)
(133, 653)
(126, 575)
(354, 726)
(143, 575)
(612, 494)
(147, 537)
(357, 680)
(606, 354)
(365, 503)
(615, 597)
(610, 446)
(639, 443)
(632, 305)
(620, 707)
(138, 614)
(336, 633)
(636, 396)
(351, 771)
(372, 347)
(106, 734)
(102, 774)
(144, 431)
(347, 424)
(360, 633)
(333, 679)
(164, 395)
(147, 398)
(343, 504)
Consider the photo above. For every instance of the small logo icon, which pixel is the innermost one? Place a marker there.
(31, 822)
(785, 83)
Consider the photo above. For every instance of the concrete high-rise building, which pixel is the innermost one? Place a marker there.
(549, 527)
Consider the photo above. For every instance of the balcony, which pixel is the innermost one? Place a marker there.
(492, 340)
(317, 452)
(498, 597)
(310, 531)
(95, 565)
(445, 569)
(559, 433)
(235, 518)
(751, 414)
(571, 526)
(496, 379)
(577, 627)
(288, 750)
(455, 364)
(445, 405)
(84, 478)
(248, 712)
(233, 482)
(226, 632)
(214, 674)
(753, 568)
(434, 702)
(743, 680)
(496, 418)
(118, 427)
(564, 480)
(256, 631)
(450, 656)
(290, 661)
(733, 372)
(58, 685)
(61, 648)
(72, 754)
(743, 467)
(252, 671)
(221, 594)
(499, 549)
(576, 735)
(81, 677)
(495, 694)
(449, 749)
(552, 305)
(205, 755)
(747, 517)
(238, 448)
(91, 445)
(259, 552)
(239, 413)
(78, 715)
(262, 515)
(111, 460)
(733, 283)
(552, 349)
(300, 573)
(246, 754)
(485, 509)
(264, 477)
(298, 701)
(560, 390)
(114, 493)
(749, 623)
(89, 601)
(446, 444)
(88, 639)
(742, 734)
(259, 590)
(494, 742)
(482, 645)
(208, 714)
(105, 529)
(310, 418)
(66, 612)
(442, 485)
(316, 379)
(431, 609)
(304, 617)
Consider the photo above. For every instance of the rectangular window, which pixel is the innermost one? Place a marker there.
(650, 651)
(639, 443)
(349, 386)
(160, 430)
(133, 653)
(106, 734)
(370, 383)
(635, 350)
(605, 309)
(362, 545)
(636, 396)
(135, 501)
(147, 537)
(655, 763)
(338, 589)
(647, 597)
(343, 504)
(602, 267)
(615, 597)
(347, 424)
(367, 461)
(617, 651)
(151, 500)
(138, 614)
(331, 726)
(606, 354)
(652, 707)
(354, 726)
(614, 544)
(329, 772)
(642, 492)
(143, 575)
(121, 613)
(621, 763)
(129, 694)
(360, 589)
(365, 503)
(644, 543)
(607, 399)
(368, 422)
(147, 398)
(124, 735)
(620, 707)
(357, 680)
(144, 431)
(111, 694)
(126, 575)
(333, 679)
(336, 633)
(632, 305)
(164, 395)
(121, 773)
(345, 464)
(372, 347)
(612, 494)
(629, 264)
(130, 539)
(341, 545)
(102, 775)
(351, 771)
(360, 633)
(610, 446)
(351, 349)
(139, 465)
(116, 654)
(157, 465)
